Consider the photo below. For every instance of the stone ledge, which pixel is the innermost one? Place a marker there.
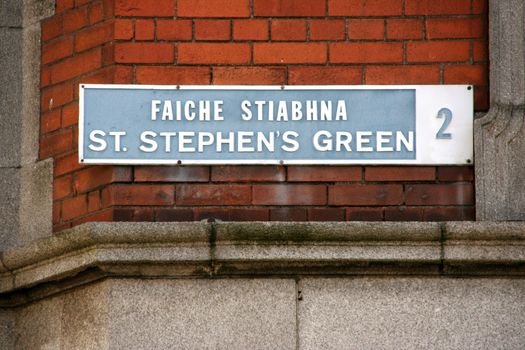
(213, 250)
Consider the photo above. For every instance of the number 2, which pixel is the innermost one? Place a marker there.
(447, 113)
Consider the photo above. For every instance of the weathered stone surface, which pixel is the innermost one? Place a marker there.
(36, 10)
(11, 96)
(412, 313)
(85, 318)
(202, 314)
(30, 108)
(499, 136)
(39, 325)
(507, 51)
(200, 249)
(11, 13)
(7, 328)
(36, 201)
(9, 205)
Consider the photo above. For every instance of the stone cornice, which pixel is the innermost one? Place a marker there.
(214, 250)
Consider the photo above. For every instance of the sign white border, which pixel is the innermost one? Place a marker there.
(429, 100)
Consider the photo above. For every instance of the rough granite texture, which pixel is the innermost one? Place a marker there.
(499, 136)
(412, 313)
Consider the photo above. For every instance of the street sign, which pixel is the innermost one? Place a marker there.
(140, 124)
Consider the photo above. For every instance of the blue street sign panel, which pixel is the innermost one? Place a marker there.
(137, 124)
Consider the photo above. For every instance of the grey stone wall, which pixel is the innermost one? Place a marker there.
(25, 183)
(500, 135)
(277, 313)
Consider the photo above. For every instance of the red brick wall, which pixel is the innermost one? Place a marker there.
(255, 42)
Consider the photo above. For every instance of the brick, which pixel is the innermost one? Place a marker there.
(416, 74)
(145, 8)
(61, 227)
(94, 202)
(448, 28)
(289, 8)
(45, 76)
(250, 29)
(322, 29)
(397, 173)
(95, 13)
(359, 194)
(289, 194)
(379, 52)
(455, 173)
(63, 5)
(56, 96)
(288, 30)
(366, 29)
(400, 29)
(404, 214)
(138, 195)
(94, 36)
(144, 52)
(249, 75)
(289, 53)
(466, 74)
(288, 214)
(212, 214)
(249, 214)
(172, 75)
(177, 215)
(326, 214)
(109, 75)
(109, 8)
(324, 173)
(56, 143)
(362, 8)
(433, 7)
(481, 51)
(449, 214)
(438, 51)
(325, 75)
(79, 3)
(440, 194)
(247, 173)
(123, 29)
(76, 65)
(214, 53)
(213, 194)
(213, 8)
(50, 121)
(74, 207)
(62, 187)
(57, 208)
(172, 174)
(57, 49)
(70, 115)
(481, 98)
(364, 214)
(94, 177)
(66, 164)
(101, 216)
(52, 27)
(75, 20)
(134, 214)
(144, 29)
(212, 29)
(479, 6)
(174, 29)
